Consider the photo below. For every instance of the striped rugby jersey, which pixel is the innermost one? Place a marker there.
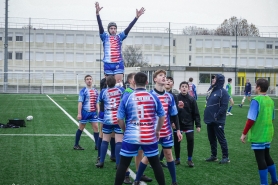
(88, 97)
(140, 109)
(169, 105)
(112, 47)
(111, 98)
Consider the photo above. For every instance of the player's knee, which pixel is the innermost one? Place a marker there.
(145, 160)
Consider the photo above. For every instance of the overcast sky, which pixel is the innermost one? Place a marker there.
(258, 12)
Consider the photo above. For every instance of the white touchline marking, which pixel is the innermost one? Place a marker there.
(48, 135)
(132, 174)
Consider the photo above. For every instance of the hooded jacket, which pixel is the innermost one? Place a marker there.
(217, 102)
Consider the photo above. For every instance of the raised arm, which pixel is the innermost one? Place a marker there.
(138, 14)
(101, 29)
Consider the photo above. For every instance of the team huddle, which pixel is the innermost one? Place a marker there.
(135, 121)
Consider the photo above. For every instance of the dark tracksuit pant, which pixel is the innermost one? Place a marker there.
(190, 144)
(216, 132)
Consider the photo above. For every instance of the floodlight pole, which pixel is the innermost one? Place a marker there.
(6, 49)
(29, 28)
(236, 60)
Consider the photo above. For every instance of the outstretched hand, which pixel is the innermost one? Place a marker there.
(140, 12)
(97, 8)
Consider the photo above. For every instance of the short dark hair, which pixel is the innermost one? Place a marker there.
(229, 79)
(263, 84)
(87, 76)
(184, 82)
(158, 72)
(140, 79)
(129, 77)
(170, 78)
(110, 81)
(190, 79)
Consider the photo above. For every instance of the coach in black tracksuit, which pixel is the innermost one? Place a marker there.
(215, 117)
(188, 115)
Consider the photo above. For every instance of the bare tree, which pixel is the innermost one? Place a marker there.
(133, 57)
(227, 28)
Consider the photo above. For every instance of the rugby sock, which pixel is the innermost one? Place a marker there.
(127, 174)
(117, 152)
(77, 136)
(172, 170)
(272, 171)
(140, 171)
(161, 155)
(99, 141)
(263, 176)
(104, 147)
(189, 158)
(96, 136)
(230, 108)
(112, 146)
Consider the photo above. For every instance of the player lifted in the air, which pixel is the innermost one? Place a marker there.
(112, 45)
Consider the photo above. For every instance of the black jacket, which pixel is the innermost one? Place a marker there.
(189, 113)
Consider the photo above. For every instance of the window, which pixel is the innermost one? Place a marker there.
(190, 48)
(174, 42)
(234, 43)
(226, 43)
(157, 59)
(49, 56)
(39, 37)
(217, 43)
(69, 57)
(89, 39)
(10, 38)
(79, 57)
(208, 43)
(59, 56)
(166, 41)
(199, 60)
(18, 55)
(189, 57)
(139, 40)
(199, 43)
(89, 57)
(174, 59)
(252, 44)
(207, 60)
(205, 77)
(10, 55)
(39, 56)
(190, 40)
(276, 45)
(49, 38)
(80, 39)
(269, 46)
(27, 55)
(147, 40)
(166, 59)
(27, 37)
(261, 45)
(148, 58)
(69, 38)
(19, 38)
(1, 55)
(157, 41)
(0, 36)
(59, 38)
(243, 44)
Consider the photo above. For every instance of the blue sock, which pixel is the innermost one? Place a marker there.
(99, 141)
(117, 152)
(272, 171)
(263, 176)
(230, 108)
(112, 146)
(96, 136)
(172, 170)
(77, 137)
(189, 158)
(161, 155)
(104, 147)
(140, 171)
(127, 174)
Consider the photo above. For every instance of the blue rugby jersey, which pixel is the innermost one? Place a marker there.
(112, 47)
(88, 97)
(111, 98)
(140, 110)
(169, 105)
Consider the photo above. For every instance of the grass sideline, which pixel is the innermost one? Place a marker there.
(40, 159)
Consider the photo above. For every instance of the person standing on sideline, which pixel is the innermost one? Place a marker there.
(229, 90)
(215, 117)
(112, 45)
(87, 111)
(188, 115)
(259, 126)
(166, 135)
(111, 97)
(247, 93)
(137, 116)
(192, 89)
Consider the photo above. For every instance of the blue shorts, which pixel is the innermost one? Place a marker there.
(247, 94)
(260, 146)
(100, 117)
(114, 68)
(90, 117)
(131, 150)
(108, 129)
(166, 142)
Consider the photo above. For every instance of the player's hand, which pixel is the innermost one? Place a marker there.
(173, 126)
(179, 135)
(181, 104)
(198, 129)
(140, 12)
(79, 117)
(157, 133)
(242, 138)
(97, 8)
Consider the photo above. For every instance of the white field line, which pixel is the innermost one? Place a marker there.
(132, 174)
(47, 135)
